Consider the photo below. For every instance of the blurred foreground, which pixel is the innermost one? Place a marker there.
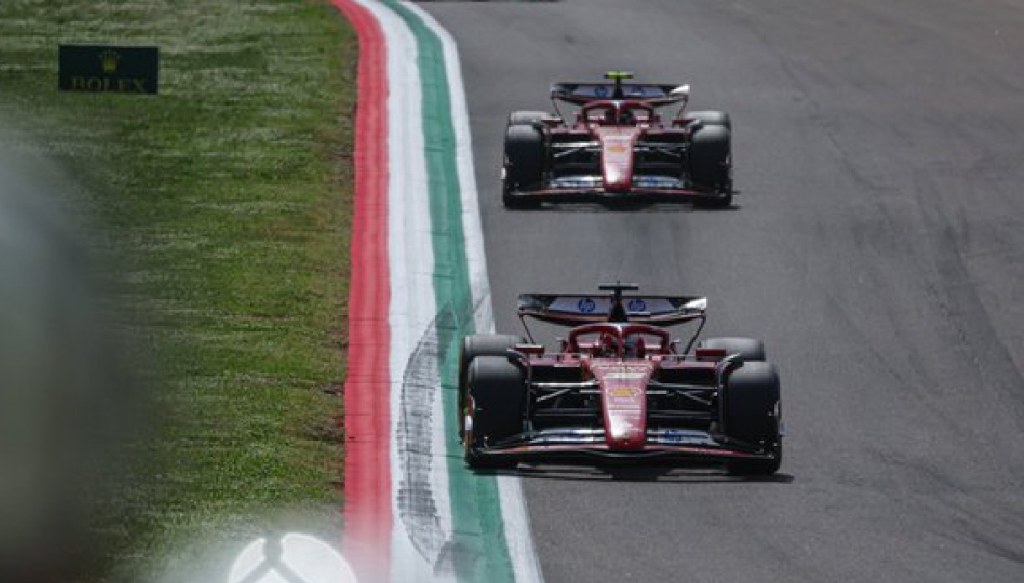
(66, 405)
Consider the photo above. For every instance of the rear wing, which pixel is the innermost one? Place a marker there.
(653, 94)
(577, 310)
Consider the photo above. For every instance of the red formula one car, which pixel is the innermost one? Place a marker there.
(618, 387)
(622, 144)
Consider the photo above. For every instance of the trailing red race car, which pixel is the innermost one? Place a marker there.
(620, 145)
(619, 387)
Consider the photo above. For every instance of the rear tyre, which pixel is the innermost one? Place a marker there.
(751, 413)
(717, 118)
(750, 349)
(480, 345)
(524, 164)
(527, 117)
(710, 162)
(496, 408)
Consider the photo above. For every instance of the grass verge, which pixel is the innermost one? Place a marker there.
(227, 202)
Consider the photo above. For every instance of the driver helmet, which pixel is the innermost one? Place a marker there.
(608, 345)
(635, 346)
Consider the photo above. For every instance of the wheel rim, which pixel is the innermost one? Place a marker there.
(468, 439)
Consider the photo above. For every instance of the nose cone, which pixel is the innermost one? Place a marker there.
(625, 430)
(617, 157)
(624, 396)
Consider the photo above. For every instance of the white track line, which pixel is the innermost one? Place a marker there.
(410, 251)
(513, 505)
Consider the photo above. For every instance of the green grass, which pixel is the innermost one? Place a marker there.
(227, 202)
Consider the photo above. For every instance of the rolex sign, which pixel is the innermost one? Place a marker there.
(113, 69)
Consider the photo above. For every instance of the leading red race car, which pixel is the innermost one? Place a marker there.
(622, 144)
(619, 387)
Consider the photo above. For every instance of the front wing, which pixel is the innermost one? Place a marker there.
(683, 445)
(591, 189)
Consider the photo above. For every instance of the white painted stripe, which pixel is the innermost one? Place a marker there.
(410, 250)
(411, 259)
(513, 505)
(472, 231)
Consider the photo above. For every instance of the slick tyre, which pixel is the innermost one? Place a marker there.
(750, 349)
(524, 164)
(480, 345)
(495, 409)
(717, 118)
(528, 118)
(751, 413)
(710, 162)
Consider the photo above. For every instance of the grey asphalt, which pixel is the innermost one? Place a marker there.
(878, 248)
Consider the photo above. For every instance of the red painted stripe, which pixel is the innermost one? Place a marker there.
(367, 512)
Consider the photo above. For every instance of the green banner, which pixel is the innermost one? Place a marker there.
(108, 69)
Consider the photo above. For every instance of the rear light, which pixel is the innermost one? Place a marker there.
(710, 353)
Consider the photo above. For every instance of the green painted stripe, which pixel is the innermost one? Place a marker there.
(475, 503)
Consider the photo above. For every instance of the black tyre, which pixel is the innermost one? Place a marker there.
(527, 117)
(750, 349)
(497, 394)
(484, 345)
(710, 162)
(524, 164)
(751, 413)
(480, 345)
(717, 118)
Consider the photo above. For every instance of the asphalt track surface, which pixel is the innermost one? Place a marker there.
(878, 248)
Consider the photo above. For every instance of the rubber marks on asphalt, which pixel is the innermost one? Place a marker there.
(417, 506)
